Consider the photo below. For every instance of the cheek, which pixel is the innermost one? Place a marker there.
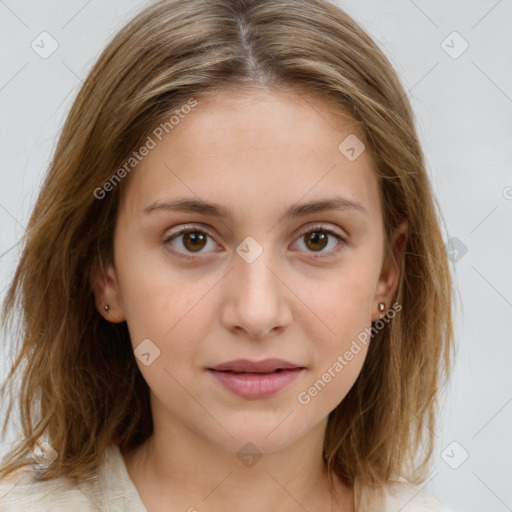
(344, 304)
(176, 325)
(172, 309)
(341, 340)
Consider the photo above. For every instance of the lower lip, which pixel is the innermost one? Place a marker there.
(254, 385)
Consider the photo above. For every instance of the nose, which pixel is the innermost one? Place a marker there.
(257, 301)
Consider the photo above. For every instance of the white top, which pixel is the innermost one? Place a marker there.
(113, 491)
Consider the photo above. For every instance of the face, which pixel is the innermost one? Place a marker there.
(267, 279)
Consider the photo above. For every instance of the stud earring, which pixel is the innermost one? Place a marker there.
(382, 307)
(107, 307)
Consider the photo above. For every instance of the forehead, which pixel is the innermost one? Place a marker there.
(258, 148)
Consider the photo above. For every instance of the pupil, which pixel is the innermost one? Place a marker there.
(193, 240)
(317, 238)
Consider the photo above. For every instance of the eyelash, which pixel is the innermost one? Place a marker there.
(194, 229)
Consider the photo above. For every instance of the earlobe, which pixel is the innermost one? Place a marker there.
(390, 272)
(106, 291)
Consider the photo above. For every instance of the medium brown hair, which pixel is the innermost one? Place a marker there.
(80, 380)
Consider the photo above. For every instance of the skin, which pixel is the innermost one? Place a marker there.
(256, 153)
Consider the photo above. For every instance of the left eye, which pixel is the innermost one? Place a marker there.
(317, 239)
(193, 240)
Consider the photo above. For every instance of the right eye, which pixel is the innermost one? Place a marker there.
(188, 241)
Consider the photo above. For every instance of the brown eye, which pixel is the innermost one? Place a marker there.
(316, 240)
(189, 241)
(194, 240)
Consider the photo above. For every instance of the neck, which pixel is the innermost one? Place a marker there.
(177, 469)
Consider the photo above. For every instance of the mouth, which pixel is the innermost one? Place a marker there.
(277, 370)
(256, 385)
(266, 366)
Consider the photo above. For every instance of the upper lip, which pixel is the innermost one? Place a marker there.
(246, 365)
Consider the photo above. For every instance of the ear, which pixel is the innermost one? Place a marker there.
(390, 271)
(106, 291)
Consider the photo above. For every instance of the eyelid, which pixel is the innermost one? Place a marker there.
(186, 228)
(324, 227)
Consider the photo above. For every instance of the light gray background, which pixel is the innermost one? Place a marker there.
(464, 117)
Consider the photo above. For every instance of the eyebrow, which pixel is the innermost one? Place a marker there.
(192, 205)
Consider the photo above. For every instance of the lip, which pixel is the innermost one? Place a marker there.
(256, 379)
(263, 366)
(256, 385)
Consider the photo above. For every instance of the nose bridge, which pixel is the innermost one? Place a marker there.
(253, 268)
(257, 295)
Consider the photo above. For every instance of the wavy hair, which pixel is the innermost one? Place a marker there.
(81, 388)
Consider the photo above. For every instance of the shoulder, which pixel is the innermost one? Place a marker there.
(22, 491)
(400, 495)
(409, 497)
(109, 489)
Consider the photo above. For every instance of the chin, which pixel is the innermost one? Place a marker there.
(260, 437)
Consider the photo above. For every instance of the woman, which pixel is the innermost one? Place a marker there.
(233, 291)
